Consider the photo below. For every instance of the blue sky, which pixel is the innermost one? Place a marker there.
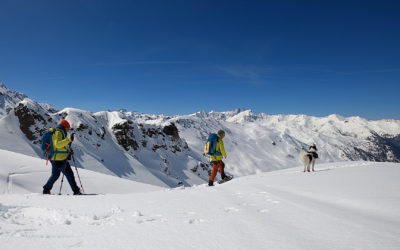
(179, 57)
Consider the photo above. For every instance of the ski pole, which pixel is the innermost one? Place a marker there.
(62, 180)
(73, 159)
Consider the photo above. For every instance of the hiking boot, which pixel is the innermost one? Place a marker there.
(46, 191)
(77, 192)
(226, 178)
(210, 183)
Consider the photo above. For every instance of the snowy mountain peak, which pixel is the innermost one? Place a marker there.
(336, 117)
(8, 99)
(48, 107)
(236, 115)
(242, 116)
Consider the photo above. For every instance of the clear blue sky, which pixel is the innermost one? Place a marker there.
(179, 57)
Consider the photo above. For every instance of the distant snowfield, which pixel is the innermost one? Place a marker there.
(345, 205)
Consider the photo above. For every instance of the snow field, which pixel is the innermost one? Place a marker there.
(347, 205)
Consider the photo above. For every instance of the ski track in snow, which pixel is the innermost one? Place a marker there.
(10, 180)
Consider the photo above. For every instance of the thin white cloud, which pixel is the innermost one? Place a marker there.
(264, 74)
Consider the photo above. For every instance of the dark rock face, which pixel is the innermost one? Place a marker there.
(155, 147)
(28, 120)
(394, 144)
(2, 103)
(149, 136)
(124, 134)
(172, 130)
(82, 127)
(152, 132)
(201, 166)
(385, 148)
(378, 148)
(99, 131)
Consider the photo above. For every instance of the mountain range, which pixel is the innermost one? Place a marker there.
(167, 150)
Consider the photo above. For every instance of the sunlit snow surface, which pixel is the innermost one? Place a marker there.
(343, 205)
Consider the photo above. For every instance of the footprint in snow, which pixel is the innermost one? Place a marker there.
(245, 204)
(238, 195)
(143, 219)
(195, 221)
(137, 214)
(272, 201)
(231, 209)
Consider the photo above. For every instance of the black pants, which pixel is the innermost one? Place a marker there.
(57, 168)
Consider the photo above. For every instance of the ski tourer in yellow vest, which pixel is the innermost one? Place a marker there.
(216, 159)
(59, 160)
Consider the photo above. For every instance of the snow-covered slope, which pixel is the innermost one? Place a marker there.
(347, 205)
(167, 151)
(20, 174)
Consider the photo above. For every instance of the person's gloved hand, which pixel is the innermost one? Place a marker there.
(72, 137)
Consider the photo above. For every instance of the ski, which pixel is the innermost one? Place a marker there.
(70, 194)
